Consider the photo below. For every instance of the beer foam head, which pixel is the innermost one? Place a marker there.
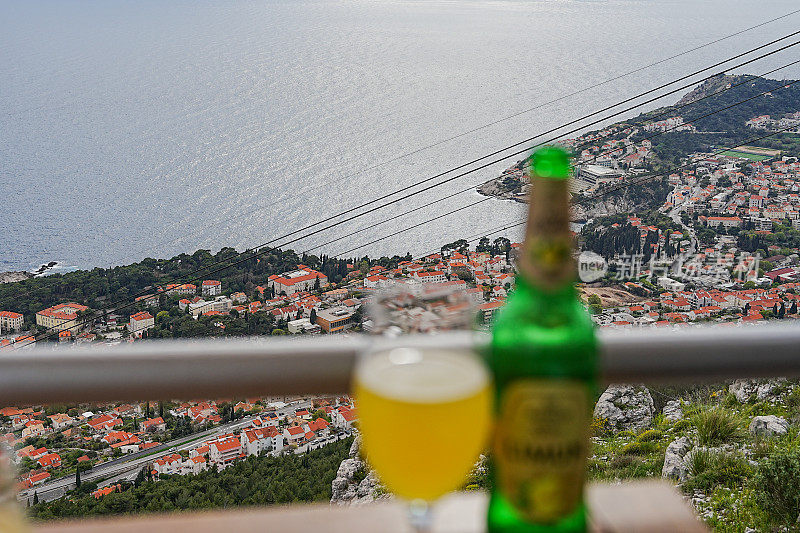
(422, 375)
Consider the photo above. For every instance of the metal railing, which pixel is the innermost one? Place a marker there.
(323, 365)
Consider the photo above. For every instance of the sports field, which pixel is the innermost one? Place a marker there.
(736, 153)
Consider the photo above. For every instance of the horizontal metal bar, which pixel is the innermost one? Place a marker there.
(323, 365)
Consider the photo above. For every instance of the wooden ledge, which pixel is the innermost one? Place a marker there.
(641, 506)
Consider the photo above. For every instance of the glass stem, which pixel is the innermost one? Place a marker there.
(419, 515)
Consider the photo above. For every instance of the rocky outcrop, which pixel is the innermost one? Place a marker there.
(594, 207)
(744, 389)
(12, 277)
(355, 483)
(768, 426)
(708, 88)
(675, 466)
(673, 411)
(625, 407)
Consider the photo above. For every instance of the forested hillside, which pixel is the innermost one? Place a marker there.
(253, 481)
(726, 127)
(108, 287)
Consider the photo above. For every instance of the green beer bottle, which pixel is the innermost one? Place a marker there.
(544, 359)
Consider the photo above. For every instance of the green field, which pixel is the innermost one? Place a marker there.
(736, 153)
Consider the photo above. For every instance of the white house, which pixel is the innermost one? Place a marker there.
(294, 434)
(319, 426)
(377, 281)
(33, 428)
(194, 465)
(343, 417)
(60, 421)
(141, 322)
(302, 325)
(225, 450)
(256, 440)
(211, 287)
(10, 321)
(169, 464)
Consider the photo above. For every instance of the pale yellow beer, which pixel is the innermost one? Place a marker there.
(11, 518)
(424, 416)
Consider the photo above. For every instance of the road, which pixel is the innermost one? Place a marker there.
(122, 467)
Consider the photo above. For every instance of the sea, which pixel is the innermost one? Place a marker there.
(147, 128)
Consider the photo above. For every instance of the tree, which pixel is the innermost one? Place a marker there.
(35, 497)
(141, 476)
(793, 308)
(317, 286)
(77, 477)
(594, 300)
(313, 316)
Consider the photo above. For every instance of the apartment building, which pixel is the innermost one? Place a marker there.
(63, 317)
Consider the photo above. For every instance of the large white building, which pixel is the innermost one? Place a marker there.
(63, 317)
(728, 222)
(302, 279)
(436, 276)
(596, 174)
(221, 304)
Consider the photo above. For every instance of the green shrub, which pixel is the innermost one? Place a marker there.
(660, 422)
(639, 448)
(730, 401)
(682, 424)
(599, 427)
(626, 434)
(699, 461)
(623, 461)
(650, 435)
(777, 482)
(792, 402)
(716, 426)
(710, 468)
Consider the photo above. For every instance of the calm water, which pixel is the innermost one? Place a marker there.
(148, 128)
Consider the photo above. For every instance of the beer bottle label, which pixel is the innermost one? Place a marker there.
(541, 443)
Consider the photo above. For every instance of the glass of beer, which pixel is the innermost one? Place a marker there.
(423, 406)
(11, 518)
